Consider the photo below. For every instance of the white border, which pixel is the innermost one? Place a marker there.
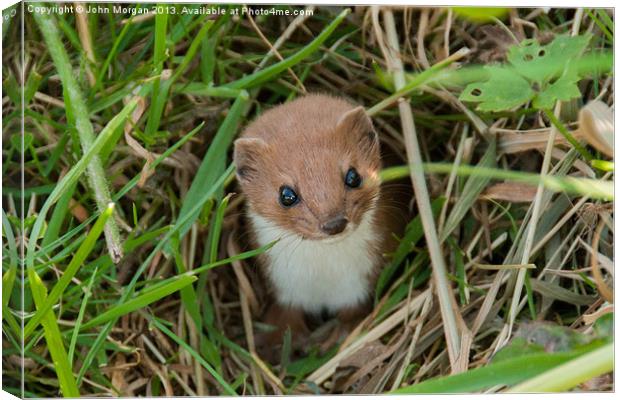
(522, 3)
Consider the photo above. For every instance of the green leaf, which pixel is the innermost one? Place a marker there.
(563, 89)
(540, 63)
(504, 90)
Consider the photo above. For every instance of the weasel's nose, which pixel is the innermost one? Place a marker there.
(334, 226)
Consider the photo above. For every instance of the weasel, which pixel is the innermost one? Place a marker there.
(310, 172)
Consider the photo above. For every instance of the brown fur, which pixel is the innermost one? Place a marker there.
(309, 144)
(301, 144)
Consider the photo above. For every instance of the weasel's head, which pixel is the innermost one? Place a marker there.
(314, 174)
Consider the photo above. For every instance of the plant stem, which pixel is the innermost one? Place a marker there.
(414, 156)
(600, 189)
(418, 80)
(75, 101)
(571, 139)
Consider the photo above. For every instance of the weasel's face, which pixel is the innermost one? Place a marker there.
(316, 184)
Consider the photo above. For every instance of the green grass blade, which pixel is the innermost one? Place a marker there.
(8, 281)
(603, 165)
(197, 356)
(508, 372)
(188, 294)
(270, 72)
(572, 373)
(191, 303)
(595, 188)
(100, 338)
(13, 90)
(7, 231)
(111, 54)
(461, 276)
(58, 216)
(413, 233)
(158, 102)
(160, 91)
(217, 228)
(600, 24)
(472, 189)
(208, 59)
(530, 295)
(237, 257)
(32, 85)
(224, 261)
(567, 135)
(53, 338)
(80, 317)
(146, 297)
(70, 271)
(200, 89)
(136, 179)
(76, 108)
(193, 48)
(74, 174)
(96, 346)
(212, 165)
(176, 146)
(606, 19)
(159, 51)
(8, 278)
(413, 84)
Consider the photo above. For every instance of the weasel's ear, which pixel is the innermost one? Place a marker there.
(247, 157)
(358, 125)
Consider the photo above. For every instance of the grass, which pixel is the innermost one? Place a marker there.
(138, 280)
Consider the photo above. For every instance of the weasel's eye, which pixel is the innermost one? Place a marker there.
(352, 179)
(288, 197)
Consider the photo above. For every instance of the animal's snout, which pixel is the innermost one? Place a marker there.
(334, 226)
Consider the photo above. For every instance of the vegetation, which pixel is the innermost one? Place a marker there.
(138, 279)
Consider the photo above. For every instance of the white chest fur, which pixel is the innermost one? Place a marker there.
(313, 274)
